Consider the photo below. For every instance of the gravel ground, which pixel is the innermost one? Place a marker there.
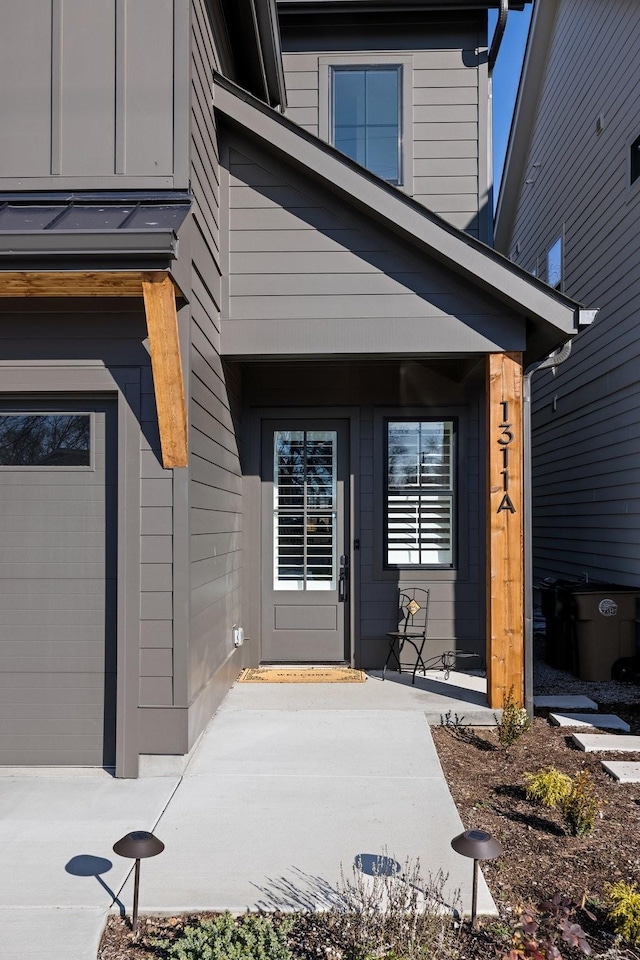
(548, 680)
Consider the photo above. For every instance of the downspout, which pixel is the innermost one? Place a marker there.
(498, 35)
(554, 360)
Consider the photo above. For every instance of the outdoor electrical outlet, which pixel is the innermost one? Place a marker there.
(238, 636)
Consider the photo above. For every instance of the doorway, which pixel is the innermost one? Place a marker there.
(304, 558)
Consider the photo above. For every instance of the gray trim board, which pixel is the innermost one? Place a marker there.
(554, 317)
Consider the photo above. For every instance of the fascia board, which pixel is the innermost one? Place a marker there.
(65, 242)
(522, 123)
(267, 18)
(404, 216)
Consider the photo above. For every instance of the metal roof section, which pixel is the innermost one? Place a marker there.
(88, 225)
(552, 316)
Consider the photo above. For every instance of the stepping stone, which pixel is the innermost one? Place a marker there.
(567, 702)
(594, 721)
(626, 771)
(606, 743)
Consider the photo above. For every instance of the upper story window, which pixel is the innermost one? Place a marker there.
(366, 117)
(554, 265)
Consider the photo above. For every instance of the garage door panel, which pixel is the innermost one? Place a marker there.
(29, 751)
(55, 571)
(45, 539)
(57, 654)
(62, 646)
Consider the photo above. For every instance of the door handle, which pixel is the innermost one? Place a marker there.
(343, 579)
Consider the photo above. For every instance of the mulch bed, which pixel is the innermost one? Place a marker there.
(540, 859)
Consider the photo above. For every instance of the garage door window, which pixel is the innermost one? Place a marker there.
(45, 440)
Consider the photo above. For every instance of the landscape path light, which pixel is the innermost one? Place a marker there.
(479, 845)
(138, 845)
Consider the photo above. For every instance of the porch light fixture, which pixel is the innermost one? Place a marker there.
(479, 845)
(138, 845)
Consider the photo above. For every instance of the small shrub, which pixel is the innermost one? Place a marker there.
(536, 937)
(514, 721)
(548, 787)
(625, 909)
(252, 937)
(579, 808)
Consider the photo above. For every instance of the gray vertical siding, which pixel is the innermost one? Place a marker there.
(90, 94)
(449, 104)
(586, 423)
(215, 501)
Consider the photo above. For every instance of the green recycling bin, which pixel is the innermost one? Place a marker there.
(605, 625)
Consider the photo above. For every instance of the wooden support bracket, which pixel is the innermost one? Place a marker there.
(159, 293)
(164, 345)
(505, 529)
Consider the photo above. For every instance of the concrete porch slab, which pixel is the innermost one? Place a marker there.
(625, 771)
(565, 702)
(606, 743)
(597, 721)
(276, 803)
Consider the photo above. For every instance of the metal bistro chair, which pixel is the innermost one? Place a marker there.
(413, 614)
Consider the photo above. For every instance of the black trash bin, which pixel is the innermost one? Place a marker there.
(555, 600)
(605, 627)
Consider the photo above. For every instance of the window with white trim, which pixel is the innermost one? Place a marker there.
(419, 507)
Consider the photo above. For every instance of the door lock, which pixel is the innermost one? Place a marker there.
(343, 579)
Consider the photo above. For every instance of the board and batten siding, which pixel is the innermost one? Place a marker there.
(448, 125)
(586, 422)
(93, 95)
(214, 473)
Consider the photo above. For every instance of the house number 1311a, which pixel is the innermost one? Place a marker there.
(506, 437)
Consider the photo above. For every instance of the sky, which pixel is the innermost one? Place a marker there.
(505, 82)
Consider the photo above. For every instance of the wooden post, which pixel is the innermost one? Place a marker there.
(505, 531)
(162, 325)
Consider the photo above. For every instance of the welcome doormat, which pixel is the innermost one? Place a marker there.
(302, 675)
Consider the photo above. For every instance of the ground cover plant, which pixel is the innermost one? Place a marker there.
(542, 861)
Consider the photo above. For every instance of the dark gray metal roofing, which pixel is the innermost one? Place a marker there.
(40, 224)
(91, 217)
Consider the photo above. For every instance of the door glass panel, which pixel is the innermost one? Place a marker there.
(304, 509)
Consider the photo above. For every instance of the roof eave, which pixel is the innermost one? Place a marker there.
(88, 243)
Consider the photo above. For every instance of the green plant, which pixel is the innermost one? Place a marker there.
(252, 937)
(513, 723)
(624, 911)
(535, 936)
(579, 808)
(548, 787)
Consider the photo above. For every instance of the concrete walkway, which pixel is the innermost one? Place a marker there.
(289, 785)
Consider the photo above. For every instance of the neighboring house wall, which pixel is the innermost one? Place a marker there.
(448, 108)
(123, 129)
(586, 416)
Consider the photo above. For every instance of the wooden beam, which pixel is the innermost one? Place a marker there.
(164, 345)
(505, 530)
(71, 284)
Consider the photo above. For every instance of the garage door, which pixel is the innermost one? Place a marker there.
(57, 586)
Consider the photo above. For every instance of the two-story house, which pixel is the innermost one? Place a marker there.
(258, 367)
(568, 212)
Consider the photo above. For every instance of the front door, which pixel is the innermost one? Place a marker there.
(305, 585)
